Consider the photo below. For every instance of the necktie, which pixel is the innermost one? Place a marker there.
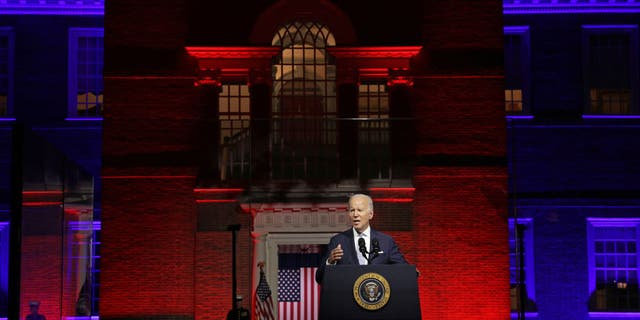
(361, 259)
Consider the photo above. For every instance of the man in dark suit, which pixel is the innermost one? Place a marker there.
(34, 306)
(360, 244)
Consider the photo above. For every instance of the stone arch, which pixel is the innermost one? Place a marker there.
(285, 11)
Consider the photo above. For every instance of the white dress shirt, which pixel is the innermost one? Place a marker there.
(366, 235)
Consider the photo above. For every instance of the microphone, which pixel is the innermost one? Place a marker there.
(375, 248)
(363, 248)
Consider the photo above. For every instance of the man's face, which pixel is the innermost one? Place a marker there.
(360, 213)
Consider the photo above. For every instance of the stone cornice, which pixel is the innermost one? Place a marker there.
(299, 217)
(96, 7)
(52, 7)
(233, 52)
(570, 6)
(377, 52)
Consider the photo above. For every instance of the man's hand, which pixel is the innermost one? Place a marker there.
(336, 254)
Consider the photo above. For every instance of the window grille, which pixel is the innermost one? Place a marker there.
(610, 70)
(6, 66)
(613, 265)
(304, 103)
(234, 114)
(516, 69)
(373, 129)
(86, 61)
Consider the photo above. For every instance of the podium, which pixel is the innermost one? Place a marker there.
(388, 291)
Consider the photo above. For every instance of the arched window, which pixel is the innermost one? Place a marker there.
(304, 97)
(304, 81)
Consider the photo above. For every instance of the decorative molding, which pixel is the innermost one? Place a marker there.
(52, 7)
(298, 217)
(402, 52)
(207, 82)
(396, 81)
(88, 225)
(217, 195)
(233, 52)
(569, 6)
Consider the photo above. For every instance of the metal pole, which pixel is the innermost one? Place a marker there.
(234, 229)
(521, 283)
(15, 221)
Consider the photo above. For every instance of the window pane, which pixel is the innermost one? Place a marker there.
(304, 103)
(88, 61)
(515, 68)
(234, 105)
(615, 269)
(4, 72)
(608, 72)
(599, 246)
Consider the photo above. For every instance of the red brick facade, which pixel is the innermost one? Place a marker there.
(158, 261)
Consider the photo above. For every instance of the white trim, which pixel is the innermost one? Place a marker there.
(290, 223)
(266, 246)
(527, 315)
(593, 223)
(66, 8)
(608, 315)
(299, 217)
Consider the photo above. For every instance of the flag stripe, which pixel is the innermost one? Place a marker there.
(264, 303)
(306, 308)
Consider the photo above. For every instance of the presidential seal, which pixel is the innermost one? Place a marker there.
(371, 291)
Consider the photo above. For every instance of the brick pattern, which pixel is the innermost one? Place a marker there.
(213, 286)
(40, 274)
(460, 116)
(148, 247)
(146, 23)
(460, 207)
(462, 244)
(150, 116)
(478, 24)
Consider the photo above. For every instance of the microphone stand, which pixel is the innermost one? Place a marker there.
(375, 248)
(375, 251)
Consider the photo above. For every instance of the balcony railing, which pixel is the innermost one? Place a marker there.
(311, 149)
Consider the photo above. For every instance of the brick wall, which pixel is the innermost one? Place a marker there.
(461, 191)
(148, 247)
(462, 239)
(213, 285)
(154, 262)
(41, 276)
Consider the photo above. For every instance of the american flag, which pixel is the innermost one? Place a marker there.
(264, 303)
(298, 292)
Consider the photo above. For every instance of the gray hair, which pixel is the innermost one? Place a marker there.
(369, 200)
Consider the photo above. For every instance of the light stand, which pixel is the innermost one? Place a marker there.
(234, 230)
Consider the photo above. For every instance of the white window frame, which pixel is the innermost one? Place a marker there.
(593, 223)
(72, 89)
